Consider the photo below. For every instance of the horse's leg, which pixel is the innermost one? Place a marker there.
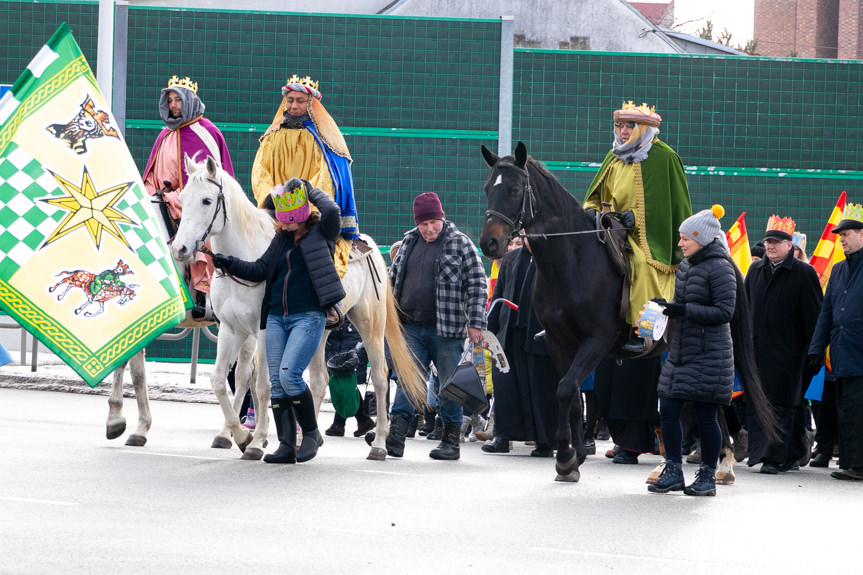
(570, 432)
(116, 424)
(227, 350)
(138, 371)
(725, 470)
(318, 376)
(260, 381)
(245, 376)
(370, 321)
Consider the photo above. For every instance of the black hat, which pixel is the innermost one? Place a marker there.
(776, 235)
(848, 225)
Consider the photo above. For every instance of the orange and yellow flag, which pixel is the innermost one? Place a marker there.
(495, 268)
(828, 251)
(738, 244)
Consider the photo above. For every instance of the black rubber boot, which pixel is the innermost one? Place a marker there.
(671, 479)
(396, 436)
(286, 430)
(304, 406)
(414, 424)
(428, 425)
(448, 448)
(705, 482)
(436, 434)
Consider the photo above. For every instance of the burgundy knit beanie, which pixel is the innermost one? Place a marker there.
(427, 207)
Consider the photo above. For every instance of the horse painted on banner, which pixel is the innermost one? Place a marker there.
(215, 208)
(578, 303)
(97, 288)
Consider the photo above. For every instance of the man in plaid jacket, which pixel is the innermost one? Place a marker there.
(440, 285)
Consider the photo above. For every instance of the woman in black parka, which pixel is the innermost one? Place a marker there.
(302, 284)
(700, 364)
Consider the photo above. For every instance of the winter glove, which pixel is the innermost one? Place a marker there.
(660, 300)
(811, 367)
(222, 262)
(674, 310)
(627, 219)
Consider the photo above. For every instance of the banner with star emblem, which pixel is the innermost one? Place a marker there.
(83, 263)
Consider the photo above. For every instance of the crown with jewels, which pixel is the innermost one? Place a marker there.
(853, 212)
(777, 224)
(642, 114)
(307, 81)
(186, 83)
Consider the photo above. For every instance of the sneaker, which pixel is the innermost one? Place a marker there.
(249, 422)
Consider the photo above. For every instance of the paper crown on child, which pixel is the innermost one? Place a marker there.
(292, 201)
(642, 114)
(852, 218)
(799, 239)
(779, 228)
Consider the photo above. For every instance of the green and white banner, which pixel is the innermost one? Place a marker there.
(83, 264)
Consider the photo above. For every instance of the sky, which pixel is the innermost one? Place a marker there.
(736, 15)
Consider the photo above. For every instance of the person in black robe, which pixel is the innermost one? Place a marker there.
(525, 404)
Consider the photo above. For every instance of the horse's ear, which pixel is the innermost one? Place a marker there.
(212, 167)
(490, 157)
(189, 163)
(521, 155)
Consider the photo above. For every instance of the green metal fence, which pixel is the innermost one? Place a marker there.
(416, 97)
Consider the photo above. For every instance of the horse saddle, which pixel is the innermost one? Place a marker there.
(613, 229)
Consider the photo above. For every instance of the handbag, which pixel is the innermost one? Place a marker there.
(464, 386)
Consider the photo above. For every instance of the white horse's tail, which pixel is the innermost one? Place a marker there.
(410, 376)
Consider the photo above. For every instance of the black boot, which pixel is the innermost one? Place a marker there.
(437, 433)
(671, 479)
(820, 460)
(396, 436)
(286, 430)
(414, 424)
(705, 482)
(497, 445)
(428, 426)
(304, 406)
(448, 448)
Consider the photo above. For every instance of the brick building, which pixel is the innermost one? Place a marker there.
(810, 28)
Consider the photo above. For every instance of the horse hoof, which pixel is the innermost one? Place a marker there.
(136, 440)
(252, 454)
(568, 467)
(244, 444)
(572, 477)
(115, 430)
(377, 454)
(725, 479)
(221, 443)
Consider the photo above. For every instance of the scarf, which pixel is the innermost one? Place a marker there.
(634, 150)
(192, 107)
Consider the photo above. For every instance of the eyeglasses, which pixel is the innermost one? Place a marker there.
(630, 125)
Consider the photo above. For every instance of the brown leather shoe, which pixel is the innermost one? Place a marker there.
(364, 427)
(335, 430)
(853, 474)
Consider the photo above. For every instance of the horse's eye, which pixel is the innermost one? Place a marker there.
(207, 201)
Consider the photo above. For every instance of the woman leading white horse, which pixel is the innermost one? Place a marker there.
(216, 208)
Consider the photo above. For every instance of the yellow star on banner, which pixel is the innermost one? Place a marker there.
(90, 208)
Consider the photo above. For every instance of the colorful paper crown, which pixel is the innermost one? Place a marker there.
(642, 114)
(798, 239)
(777, 224)
(292, 205)
(853, 212)
(186, 83)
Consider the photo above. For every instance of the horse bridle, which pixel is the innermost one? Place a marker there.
(220, 206)
(528, 206)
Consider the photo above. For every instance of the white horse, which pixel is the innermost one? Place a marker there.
(216, 208)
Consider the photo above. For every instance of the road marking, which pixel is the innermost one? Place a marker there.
(40, 501)
(617, 555)
(399, 473)
(173, 455)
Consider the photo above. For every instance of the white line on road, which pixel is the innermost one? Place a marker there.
(40, 501)
(174, 455)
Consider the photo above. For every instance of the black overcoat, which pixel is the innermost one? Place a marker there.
(785, 303)
(700, 364)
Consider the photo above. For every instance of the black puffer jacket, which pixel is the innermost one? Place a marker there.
(700, 364)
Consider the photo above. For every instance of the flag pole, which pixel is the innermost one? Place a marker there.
(105, 50)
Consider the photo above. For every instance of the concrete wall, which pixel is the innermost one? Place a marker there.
(608, 25)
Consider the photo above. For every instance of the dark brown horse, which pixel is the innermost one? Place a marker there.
(578, 289)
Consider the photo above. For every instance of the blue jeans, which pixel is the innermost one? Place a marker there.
(292, 341)
(445, 352)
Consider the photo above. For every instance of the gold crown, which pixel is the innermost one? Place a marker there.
(853, 212)
(629, 105)
(307, 81)
(186, 83)
(775, 223)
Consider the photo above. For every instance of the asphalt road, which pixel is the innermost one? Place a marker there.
(73, 502)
